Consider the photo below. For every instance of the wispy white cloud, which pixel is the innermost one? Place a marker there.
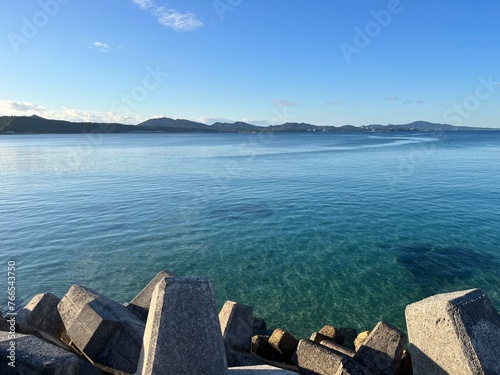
(283, 103)
(176, 20)
(407, 102)
(13, 108)
(171, 18)
(420, 101)
(143, 4)
(392, 98)
(10, 105)
(101, 46)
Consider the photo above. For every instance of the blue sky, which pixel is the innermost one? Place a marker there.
(264, 62)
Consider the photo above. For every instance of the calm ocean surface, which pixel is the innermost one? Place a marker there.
(308, 228)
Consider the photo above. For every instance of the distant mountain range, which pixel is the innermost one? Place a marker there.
(39, 125)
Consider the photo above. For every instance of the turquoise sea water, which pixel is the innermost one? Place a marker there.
(309, 229)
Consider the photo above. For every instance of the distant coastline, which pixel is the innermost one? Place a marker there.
(39, 125)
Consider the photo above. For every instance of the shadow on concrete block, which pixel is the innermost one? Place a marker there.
(102, 329)
(33, 356)
(41, 314)
(382, 350)
(236, 321)
(458, 333)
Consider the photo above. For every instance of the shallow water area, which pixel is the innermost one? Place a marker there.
(309, 229)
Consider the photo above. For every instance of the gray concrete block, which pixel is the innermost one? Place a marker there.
(55, 341)
(183, 334)
(315, 359)
(140, 304)
(33, 356)
(455, 333)
(41, 315)
(338, 348)
(236, 323)
(284, 343)
(259, 370)
(104, 330)
(382, 350)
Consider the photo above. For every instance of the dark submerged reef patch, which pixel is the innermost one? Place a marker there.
(444, 262)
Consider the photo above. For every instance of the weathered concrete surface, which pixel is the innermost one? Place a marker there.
(382, 350)
(456, 333)
(104, 330)
(259, 370)
(236, 323)
(284, 343)
(55, 341)
(34, 356)
(41, 314)
(360, 339)
(140, 304)
(338, 348)
(183, 334)
(313, 358)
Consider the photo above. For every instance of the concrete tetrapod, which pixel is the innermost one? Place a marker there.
(183, 334)
(454, 333)
(315, 359)
(236, 321)
(104, 330)
(140, 304)
(41, 314)
(382, 350)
